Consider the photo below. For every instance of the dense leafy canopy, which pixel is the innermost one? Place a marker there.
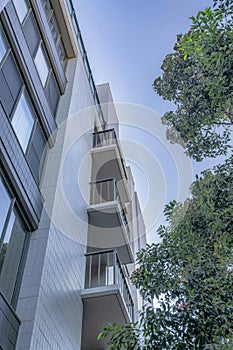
(190, 273)
(198, 78)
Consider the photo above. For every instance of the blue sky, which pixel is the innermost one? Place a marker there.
(126, 42)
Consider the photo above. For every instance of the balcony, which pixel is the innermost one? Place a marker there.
(106, 297)
(108, 161)
(108, 223)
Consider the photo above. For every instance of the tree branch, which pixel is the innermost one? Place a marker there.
(228, 114)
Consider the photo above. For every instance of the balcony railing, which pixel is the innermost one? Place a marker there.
(104, 269)
(85, 61)
(106, 191)
(108, 138)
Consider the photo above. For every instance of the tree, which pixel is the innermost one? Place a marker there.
(190, 273)
(198, 78)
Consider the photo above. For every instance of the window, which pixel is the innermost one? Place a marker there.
(23, 121)
(3, 45)
(56, 35)
(47, 7)
(41, 65)
(12, 245)
(4, 205)
(40, 58)
(35, 152)
(16, 103)
(10, 80)
(21, 8)
(31, 33)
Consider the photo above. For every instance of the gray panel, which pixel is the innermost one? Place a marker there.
(31, 33)
(52, 93)
(35, 152)
(12, 76)
(34, 162)
(5, 96)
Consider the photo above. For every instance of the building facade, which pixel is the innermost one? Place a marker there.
(70, 219)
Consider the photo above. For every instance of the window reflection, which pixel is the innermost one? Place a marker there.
(6, 240)
(23, 121)
(12, 243)
(21, 9)
(9, 229)
(3, 45)
(4, 206)
(10, 257)
(41, 65)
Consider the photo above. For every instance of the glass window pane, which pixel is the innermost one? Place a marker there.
(5, 202)
(42, 65)
(5, 95)
(3, 45)
(54, 28)
(21, 9)
(47, 7)
(35, 154)
(31, 33)
(11, 256)
(12, 76)
(52, 93)
(23, 121)
(9, 229)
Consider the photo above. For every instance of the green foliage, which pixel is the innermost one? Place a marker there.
(190, 274)
(124, 337)
(198, 79)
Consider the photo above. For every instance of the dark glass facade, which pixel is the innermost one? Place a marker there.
(29, 97)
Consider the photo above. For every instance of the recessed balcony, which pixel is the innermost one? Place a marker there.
(106, 297)
(108, 161)
(108, 223)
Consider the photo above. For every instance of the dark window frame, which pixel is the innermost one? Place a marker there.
(29, 101)
(14, 210)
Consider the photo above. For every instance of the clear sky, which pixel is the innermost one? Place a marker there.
(126, 42)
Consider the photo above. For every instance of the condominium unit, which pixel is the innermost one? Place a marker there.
(70, 219)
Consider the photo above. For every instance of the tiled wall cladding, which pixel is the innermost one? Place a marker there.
(50, 304)
(19, 172)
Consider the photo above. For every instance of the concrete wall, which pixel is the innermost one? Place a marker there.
(108, 108)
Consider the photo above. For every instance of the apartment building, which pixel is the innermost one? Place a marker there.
(70, 219)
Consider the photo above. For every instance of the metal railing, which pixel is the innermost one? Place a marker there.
(103, 268)
(85, 61)
(103, 191)
(108, 138)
